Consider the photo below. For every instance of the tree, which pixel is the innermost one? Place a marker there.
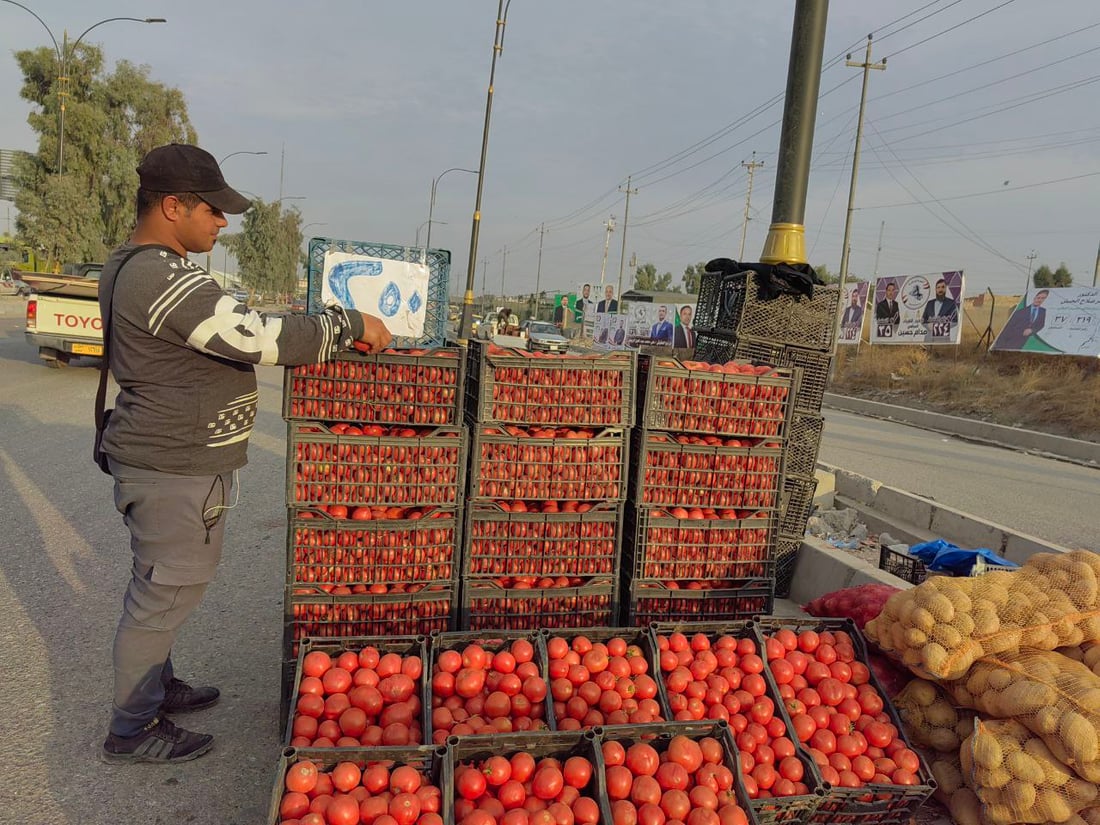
(647, 279)
(111, 121)
(1043, 277)
(825, 275)
(693, 277)
(267, 248)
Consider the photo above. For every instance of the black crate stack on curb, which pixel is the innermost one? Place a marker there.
(375, 479)
(736, 321)
(547, 484)
(703, 520)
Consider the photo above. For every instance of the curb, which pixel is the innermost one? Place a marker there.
(1056, 446)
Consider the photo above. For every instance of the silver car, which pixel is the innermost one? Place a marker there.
(544, 337)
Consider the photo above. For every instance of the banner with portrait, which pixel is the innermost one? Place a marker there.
(918, 309)
(1056, 321)
(609, 331)
(852, 312)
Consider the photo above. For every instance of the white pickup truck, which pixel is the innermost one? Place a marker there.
(63, 318)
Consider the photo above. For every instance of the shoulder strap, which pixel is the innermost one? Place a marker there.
(104, 367)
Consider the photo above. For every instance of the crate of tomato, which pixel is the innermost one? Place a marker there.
(700, 545)
(415, 387)
(837, 707)
(775, 772)
(547, 463)
(531, 602)
(514, 540)
(731, 399)
(382, 546)
(512, 386)
(353, 783)
(372, 466)
(667, 600)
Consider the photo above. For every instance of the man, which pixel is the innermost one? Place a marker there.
(887, 310)
(853, 313)
(941, 306)
(662, 330)
(685, 335)
(1024, 322)
(620, 332)
(608, 304)
(559, 312)
(586, 290)
(182, 352)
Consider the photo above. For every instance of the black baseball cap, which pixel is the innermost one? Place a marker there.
(180, 167)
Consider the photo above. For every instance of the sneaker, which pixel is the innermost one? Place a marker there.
(158, 741)
(180, 697)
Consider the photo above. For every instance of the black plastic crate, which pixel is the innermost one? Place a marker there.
(420, 388)
(803, 444)
(486, 604)
(649, 601)
(796, 505)
(792, 320)
(786, 556)
(668, 473)
(814, 365)
(324, 468)
(714, 347)
(689, 549)
(401, 645)
(712, 402)
(493, 641)
(378, 552)
(721, 300)
(895, 560)
(873, 804)
(526, 464)
(430, 762)
(508, 544)
(515, 387)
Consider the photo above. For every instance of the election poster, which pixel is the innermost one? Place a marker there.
(609, 331)
(918, 309)
(852, 312)
(1057, 321)
(584, 309)
(650, 324)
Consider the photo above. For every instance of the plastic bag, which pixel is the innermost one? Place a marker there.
(944, 557)
(931, 719)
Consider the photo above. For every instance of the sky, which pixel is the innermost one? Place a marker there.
(981, 144)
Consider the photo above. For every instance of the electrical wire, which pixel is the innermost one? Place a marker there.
(882, 37)
(987, 192)
(951, 29)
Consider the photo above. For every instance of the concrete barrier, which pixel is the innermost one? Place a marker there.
(821, 569)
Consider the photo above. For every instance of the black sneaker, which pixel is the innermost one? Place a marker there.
(180, 697)
(159, 741)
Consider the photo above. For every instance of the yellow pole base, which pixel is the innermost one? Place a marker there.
(785, 244)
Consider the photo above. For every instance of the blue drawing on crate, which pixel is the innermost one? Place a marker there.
(415, 302)
(390, 300)
(342, 273)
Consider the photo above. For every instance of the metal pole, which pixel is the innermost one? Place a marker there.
(484, 287)
(1030, 259)
(1096, 269)
(538, 271)
(786, 241)
(878, 252)
(622, 255)
(610, 227)
(503, 263)
(431, 202)
(752, 167)
(468, 299)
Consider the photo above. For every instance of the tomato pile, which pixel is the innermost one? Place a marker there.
(688, 782)
(362, 698)
(659, 602)
(403, 610)
(560, 389)
(419, 549)
(722, 476)
(837, 712)
(405, 468)
(535, 546)
(732, 398)
(419, 387)
(548, 463)
(600, 683)
(354, 794)
(488, 606)
(523, 790)
(699, 545)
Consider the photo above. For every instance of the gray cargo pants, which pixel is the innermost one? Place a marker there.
(177, 524)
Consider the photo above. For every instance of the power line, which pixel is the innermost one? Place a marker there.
(952, 28)
(989, 192)
(882, 37)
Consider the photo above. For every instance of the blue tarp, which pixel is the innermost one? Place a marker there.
(944, 557)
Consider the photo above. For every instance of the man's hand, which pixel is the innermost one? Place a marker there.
(375, 336)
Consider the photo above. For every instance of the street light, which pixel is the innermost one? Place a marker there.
(431, 201)
(63, 53)
(468, 298)
(428, 223)
(242, 152)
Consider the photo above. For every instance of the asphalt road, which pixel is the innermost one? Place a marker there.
(1049, 499)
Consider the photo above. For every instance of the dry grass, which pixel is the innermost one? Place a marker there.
(1056, 394)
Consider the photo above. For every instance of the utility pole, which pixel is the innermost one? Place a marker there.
(881, 230)
(282, 163)
(609, 225)
(1030, 259)
(752, 167)
(1095, 271)
(503, 263)
(484, 287)
(538, 272)
(622, 255)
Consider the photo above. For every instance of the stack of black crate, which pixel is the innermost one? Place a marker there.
(734, 320)
(703, 521)
(376, 459)
(547, 482)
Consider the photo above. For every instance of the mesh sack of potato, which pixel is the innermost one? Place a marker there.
(931, 719)
(942, 626)
(952, 791)
(1088, 653)
(1017, 777)
(1051, 695)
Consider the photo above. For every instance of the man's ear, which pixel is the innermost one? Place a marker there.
(171, 208)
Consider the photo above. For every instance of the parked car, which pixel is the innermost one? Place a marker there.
(240, 295)
(543, 336)
(298, 304)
